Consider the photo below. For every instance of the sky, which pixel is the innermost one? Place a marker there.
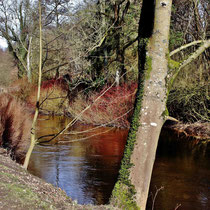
(3, 43)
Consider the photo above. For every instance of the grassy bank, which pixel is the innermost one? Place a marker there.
(21, 190)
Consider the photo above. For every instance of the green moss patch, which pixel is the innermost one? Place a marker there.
(124, 192)
(172, 64)
(148, 67)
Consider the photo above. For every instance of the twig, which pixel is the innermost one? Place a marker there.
(156, 193)
(177, 206)
(85, 138)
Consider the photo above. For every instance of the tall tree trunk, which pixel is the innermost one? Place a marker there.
(33, 128)
(132, 188)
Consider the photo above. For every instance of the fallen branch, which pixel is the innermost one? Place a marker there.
(85, 138)
(172, 119)
(154, 198)
(85, 131)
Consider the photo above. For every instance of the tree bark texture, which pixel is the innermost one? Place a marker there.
(153, 104)
(132, 188)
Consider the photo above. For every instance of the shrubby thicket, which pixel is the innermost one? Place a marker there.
(89, 42)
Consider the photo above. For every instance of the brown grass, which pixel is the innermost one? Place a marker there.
(21, 89)
(114, 108)
(15, 126)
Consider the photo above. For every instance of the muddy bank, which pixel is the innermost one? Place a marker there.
(21, 190)
(198, 130)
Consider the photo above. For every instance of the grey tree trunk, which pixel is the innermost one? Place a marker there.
(131, 190)
(28, 61)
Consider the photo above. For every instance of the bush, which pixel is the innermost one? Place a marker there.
(21, 89)
(113, 108)
(53, 98)
(189, 104)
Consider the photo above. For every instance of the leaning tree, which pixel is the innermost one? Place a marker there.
(155, 80)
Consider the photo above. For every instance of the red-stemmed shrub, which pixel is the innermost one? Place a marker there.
(113, 108)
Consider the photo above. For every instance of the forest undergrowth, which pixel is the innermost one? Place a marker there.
(116, 103)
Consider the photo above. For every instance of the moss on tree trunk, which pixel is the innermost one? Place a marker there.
(132, 187)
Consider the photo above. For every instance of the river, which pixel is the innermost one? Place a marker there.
(85, 163)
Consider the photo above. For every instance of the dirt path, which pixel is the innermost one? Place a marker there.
(20, 190)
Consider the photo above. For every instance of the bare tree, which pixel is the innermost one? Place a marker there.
(33, 128)
(16, 26)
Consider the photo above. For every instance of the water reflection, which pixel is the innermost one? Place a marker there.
(183, 169)
(87, 169)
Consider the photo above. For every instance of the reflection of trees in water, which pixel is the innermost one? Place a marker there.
(103, 154)
(103, 178)
(57, 166)
(86, 170)
(183, 169)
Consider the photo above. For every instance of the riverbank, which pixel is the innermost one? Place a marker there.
(114, 106)
(111, 106)
(21, 190)
(198, 130)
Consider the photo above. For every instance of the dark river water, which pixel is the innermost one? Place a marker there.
(85, 163)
